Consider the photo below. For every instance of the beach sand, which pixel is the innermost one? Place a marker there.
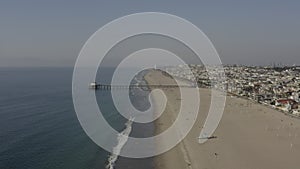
(249, 136)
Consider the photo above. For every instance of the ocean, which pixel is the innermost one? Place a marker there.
(39, 128)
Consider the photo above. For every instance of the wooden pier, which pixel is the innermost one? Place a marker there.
(97, 86)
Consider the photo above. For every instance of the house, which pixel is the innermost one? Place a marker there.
(288, 103)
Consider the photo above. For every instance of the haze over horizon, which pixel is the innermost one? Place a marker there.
(52, 33)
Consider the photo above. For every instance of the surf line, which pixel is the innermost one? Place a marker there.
(122, 139)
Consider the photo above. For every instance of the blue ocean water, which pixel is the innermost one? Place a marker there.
(39, 128)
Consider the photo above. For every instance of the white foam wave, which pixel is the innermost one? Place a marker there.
(122, 139)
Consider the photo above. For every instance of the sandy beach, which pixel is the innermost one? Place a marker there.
(249, 136)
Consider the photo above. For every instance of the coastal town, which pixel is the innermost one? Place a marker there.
(276, 87)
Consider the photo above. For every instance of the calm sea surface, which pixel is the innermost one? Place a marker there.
(39, 128)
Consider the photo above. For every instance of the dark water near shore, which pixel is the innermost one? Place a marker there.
(39, 128)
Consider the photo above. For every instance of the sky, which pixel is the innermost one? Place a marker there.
(51, 33)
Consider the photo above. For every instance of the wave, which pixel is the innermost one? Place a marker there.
(122, 139)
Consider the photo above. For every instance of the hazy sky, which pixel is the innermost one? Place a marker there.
(52, 32)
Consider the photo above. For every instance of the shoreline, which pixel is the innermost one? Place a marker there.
(177, 157)
(247, 131)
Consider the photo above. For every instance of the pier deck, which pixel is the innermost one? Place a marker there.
(109, 87)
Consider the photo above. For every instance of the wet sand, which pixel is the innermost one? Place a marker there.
(249, 136)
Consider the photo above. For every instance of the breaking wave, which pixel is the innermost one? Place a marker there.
(122, 139)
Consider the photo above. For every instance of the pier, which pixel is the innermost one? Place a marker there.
(99, 86)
